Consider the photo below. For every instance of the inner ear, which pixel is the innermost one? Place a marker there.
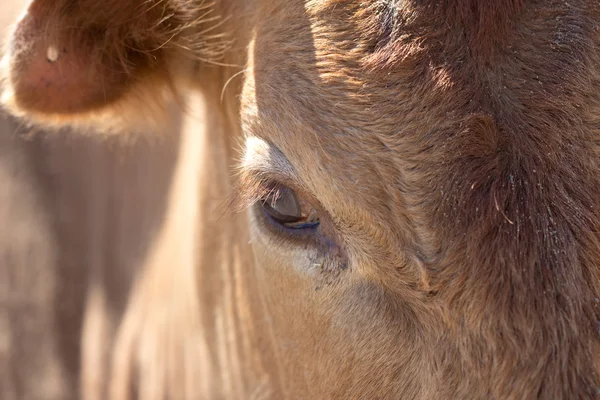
(73, 57)
(65, 70)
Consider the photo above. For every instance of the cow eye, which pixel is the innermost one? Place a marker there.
(285, 208)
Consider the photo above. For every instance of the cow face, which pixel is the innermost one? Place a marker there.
(420, 178)
(425, 177)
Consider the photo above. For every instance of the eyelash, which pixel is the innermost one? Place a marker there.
(281, 229)
(253, 188)
(302, 234)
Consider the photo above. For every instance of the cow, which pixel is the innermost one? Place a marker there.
(413, 213)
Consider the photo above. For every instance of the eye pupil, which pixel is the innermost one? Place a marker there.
(283, 207)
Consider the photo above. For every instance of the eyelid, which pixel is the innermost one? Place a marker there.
(260, 155)
(263, 167)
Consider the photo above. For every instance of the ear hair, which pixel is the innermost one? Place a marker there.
(106, 64)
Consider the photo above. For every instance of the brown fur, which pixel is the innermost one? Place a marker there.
(451, 150)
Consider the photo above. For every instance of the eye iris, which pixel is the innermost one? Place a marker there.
(283, 206)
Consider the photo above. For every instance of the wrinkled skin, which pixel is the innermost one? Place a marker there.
(449, 148)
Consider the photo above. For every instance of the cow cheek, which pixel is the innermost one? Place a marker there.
(300, 310)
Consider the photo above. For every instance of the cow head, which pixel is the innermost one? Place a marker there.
(421, 177)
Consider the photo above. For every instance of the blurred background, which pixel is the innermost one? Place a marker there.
(78, 215)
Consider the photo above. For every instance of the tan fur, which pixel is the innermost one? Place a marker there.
(450, 148)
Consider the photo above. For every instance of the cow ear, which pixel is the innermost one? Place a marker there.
(106, 63)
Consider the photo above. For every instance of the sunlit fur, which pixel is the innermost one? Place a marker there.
(452, 150)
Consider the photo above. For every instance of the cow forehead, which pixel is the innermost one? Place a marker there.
(387, 85)
(380, 67)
